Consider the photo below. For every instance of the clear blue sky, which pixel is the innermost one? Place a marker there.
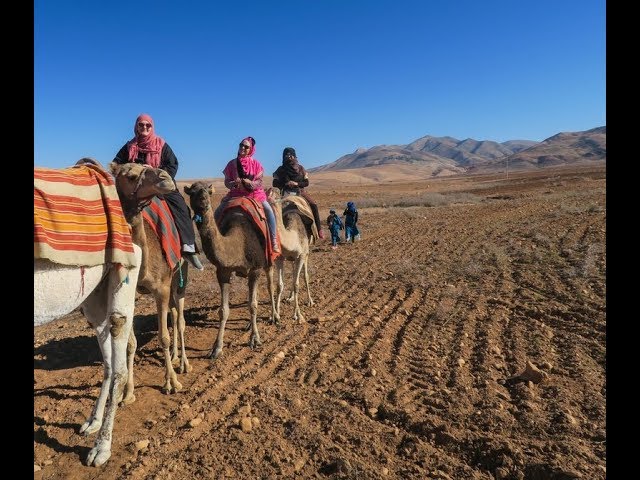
(323, 76)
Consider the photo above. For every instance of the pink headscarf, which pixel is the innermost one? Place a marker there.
(252, 169)
(151, 144)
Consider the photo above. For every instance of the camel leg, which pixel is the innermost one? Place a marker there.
(253, 306)
(297, 313)
(223, 313)
(306, 279)
(171, 383)
(121, 308)
(275, 315)
(280, 277)
(175, 360)
(184, 362)
(289, 299)
(94, 309)
(132, 345)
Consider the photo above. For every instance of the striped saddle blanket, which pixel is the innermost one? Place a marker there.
(78, 219)
(159, 218)
(255, 212)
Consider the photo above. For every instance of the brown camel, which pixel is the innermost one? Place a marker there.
(295, 239)
(238, 248)
(156, 277)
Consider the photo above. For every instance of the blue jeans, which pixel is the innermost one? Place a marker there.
(271, 220)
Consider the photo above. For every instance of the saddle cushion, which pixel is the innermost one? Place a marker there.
(301, 204)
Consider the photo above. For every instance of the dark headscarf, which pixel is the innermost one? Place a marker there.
(291, 165)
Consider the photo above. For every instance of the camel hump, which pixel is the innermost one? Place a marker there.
(90, 161)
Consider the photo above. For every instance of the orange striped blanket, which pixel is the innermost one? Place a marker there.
(159, 218)
(78, 219)
(255, 211)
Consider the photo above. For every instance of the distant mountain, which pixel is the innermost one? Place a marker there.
(565, 148)
(450, 156)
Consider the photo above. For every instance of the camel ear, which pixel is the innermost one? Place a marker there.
(210, 188)
(187, 189)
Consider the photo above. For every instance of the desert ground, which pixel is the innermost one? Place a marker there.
(464, 337)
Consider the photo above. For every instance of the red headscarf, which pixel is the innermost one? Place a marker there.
(151, 144)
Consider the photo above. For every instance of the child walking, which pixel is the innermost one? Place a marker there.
(335, 225)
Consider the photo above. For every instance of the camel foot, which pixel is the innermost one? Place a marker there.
(172, 387)
(299, 318)
(311, 303)
(175, 361)
(254, 342)
(98, 455)
(215, 353)
(90, 426)
(127, 400)
(185, 367)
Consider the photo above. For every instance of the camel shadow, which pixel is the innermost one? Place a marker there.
(68, 353)
(52, 392)
(41, 437)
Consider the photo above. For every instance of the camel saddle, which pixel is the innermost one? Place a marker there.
(290, 202)
(78, 219)
(254, 211)
(158, 216)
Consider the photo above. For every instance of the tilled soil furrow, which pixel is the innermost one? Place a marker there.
(405, 368)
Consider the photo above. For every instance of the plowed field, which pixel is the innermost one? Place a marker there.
(406, 367)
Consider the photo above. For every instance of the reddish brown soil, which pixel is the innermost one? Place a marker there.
(403, 368)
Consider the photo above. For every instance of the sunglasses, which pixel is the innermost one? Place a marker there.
(242, 145)
(145, 125)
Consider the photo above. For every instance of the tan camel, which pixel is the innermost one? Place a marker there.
(295, 239)
(155, 275)
(239, 250)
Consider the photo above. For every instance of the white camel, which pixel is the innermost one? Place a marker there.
(108, 304)
(295, 239)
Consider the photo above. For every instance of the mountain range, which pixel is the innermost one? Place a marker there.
(439, 156)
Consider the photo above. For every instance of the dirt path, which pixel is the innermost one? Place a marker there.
(403, 367)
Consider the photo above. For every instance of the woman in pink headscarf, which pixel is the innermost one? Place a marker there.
(147, 148)
(243, 178)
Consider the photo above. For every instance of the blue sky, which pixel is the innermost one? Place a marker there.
(323, 76)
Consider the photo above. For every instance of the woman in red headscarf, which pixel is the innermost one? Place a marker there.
(147, 148)
(243, 177)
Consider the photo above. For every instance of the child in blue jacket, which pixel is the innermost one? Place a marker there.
(335, 225)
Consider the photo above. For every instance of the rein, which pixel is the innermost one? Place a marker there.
(131, 204)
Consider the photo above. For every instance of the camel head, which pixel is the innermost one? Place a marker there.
(199, 196)
(137, 184)
(273, 197)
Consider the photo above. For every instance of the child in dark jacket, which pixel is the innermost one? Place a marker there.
(335, 225)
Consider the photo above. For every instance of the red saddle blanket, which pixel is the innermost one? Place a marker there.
(159, 218)
(78, 219)
(255, 211)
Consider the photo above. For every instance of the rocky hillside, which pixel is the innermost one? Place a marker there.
(561, 149)
(449, 156)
